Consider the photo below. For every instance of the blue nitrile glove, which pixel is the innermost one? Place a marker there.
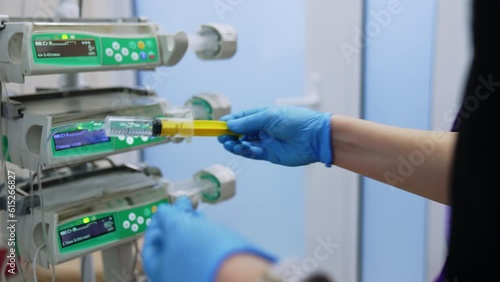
(181, 245)
(290, 136)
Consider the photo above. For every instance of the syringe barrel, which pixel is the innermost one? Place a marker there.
(128, 126)
(148, 127)
(174, 127)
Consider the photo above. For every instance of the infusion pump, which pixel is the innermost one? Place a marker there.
(106, 206)
(62, 129)
(43, 47)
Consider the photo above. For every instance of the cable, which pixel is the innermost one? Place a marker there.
(19, 263)
(136, 257)
(34, 261)
(40, 192)
(4, 267)
(32, 201)
(3, 161)
(80, 8)
(2, 155)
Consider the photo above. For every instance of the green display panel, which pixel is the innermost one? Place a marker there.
(76, 49)
(66, 49)
(89, 138)
(100, 229)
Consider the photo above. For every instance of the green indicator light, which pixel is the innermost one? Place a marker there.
(86, 220)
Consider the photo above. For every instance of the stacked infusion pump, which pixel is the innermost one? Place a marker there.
(76, 202)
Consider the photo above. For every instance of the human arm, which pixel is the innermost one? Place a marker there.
(243, 268)
(417, 161)
(296, 136)
(181, 244)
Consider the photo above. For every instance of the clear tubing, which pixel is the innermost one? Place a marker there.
(206, 42)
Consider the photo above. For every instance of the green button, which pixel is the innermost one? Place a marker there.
(147, 212)
(132, 45)
(149, 43)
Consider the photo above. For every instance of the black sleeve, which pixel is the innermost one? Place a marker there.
(474, 250)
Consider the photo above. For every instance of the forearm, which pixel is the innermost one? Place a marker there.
(243, 268)
(417, 161)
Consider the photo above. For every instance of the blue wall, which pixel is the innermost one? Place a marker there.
(270, 63)
(398, 73)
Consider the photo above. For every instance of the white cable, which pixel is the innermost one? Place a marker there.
(4, 267)
(3, 162)
(136, 257)
(34, 261)
(3, 159)
(40, 192)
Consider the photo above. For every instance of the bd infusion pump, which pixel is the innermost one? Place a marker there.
(59, 128)
(108, 206)
(54, 129)
(38, 47)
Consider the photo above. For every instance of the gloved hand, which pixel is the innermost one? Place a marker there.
(290, 136)
(181, 245)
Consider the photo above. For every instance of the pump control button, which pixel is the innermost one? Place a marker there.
(118, 58)
(115, 45)
(140, 220)
(126, 224)
(109, 52)
(132, 216)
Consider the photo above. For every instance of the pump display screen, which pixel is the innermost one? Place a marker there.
(87, 231)
(65, 48)
(79, 138)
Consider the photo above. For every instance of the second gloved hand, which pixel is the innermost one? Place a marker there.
(181, 245)
(290, 136)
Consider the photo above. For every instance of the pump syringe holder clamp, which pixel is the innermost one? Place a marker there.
(215, 104)
(227, 41)
(174, 47)
(222, 177)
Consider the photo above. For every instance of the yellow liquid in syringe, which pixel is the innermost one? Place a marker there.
(164, 127)
(172, 127)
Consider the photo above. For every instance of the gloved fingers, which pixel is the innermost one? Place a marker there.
(153, 246)
(184, 204)
(199, 214)
(165, 217)
(251, 137)
(153, 239)
(249, 150)
(224, 138)
(229, 145)
(242, 114)
(251, 124)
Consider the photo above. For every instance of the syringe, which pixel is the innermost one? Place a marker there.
(165, 127)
